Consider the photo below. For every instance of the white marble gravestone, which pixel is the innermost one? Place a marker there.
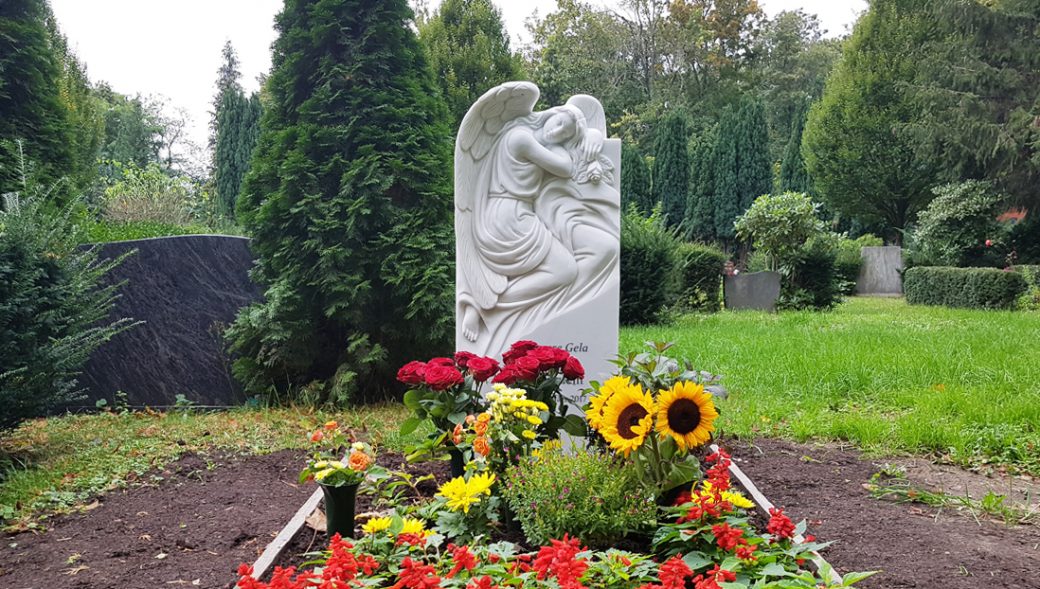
(537, 226)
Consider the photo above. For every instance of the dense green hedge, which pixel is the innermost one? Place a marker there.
(977, 288)
(700, 277)
(108, 231)
(648, 261)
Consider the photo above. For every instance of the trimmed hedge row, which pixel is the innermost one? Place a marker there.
(975, 288)
(700, 277)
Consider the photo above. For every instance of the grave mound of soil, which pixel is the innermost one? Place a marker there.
(210, 514)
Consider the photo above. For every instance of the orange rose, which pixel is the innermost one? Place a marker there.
(317, 436)
(331, 425)
(470, 419)
(456, 436)
(483, 418)
(481, 428)
(481, 446)
(359, 461)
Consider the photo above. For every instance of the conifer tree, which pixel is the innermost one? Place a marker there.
(755, 169)
(700, 205)
(469, 53)
(793, 175)
(726, 165)
(236, 128)
(635, 180)
(349, 204)
(31, 110)
(671, 179)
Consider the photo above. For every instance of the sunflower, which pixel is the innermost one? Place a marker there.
(628, 417)
(598, 402)
(686, 413)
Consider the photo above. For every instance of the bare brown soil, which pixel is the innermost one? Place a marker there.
(195, 527)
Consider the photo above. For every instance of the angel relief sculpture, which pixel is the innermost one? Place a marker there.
(536, 214)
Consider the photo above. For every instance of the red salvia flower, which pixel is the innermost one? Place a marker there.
(415, 575)
(673, 573)
(780, 526)
(726, 536)
(463, 558)
(558, 560)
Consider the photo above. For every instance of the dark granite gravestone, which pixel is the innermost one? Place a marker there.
(755, 291)
(881, 272)
(186, 290)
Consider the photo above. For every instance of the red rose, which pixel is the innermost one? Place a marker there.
(482, 368)
(440, 377)
(507, 376)
(545, 355)
(441, 362)
(527, 367)
(518, 350)
(463, 358)
(561, 357)
(573, 370)
(413, 372)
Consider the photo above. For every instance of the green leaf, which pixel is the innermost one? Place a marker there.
(411, 400)
(849, 579)
(773, 570)
(457, 417)
(574, 425)
(409, 425)
(696, 560)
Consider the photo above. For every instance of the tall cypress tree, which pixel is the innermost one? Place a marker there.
(635, 180)
(754, 167)
(236, 123)
(793, 175)
(672, 168)
(31, 109)
(349, 204)
(726, 166)
(700, 204)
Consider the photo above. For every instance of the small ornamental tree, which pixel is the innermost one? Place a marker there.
(779, 225)
(348, 200)
(960, 228)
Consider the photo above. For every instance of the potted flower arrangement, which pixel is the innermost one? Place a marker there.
(444, 391)
(540, 371)
(656, 412)
(338, 478)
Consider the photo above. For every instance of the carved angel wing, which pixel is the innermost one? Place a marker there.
(477, 136)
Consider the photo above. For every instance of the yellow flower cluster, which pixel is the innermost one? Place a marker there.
(735, 498)
(326, 467)
(513, 403)
(462, 494)
(381, 524)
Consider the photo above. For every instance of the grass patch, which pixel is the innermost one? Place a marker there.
(962, 385)
(52, 465)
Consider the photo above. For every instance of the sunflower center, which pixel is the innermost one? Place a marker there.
(629, 418)
(684, 416)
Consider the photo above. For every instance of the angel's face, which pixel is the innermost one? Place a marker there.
(559, 128)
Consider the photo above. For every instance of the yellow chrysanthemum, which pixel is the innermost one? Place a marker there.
(598, 401)
(735, 499)
(414, 526)
(530, 435)
(462, 494)
(376, 525)
(481, 484)
(628, 417)
(686, 413)
(321, 474)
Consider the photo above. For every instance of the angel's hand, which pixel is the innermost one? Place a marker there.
(592, 145)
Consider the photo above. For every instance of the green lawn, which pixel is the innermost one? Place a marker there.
(891, 378)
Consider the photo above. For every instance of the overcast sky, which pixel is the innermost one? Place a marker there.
(173, 48)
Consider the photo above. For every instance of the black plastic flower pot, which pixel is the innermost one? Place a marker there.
(458, 462)
(339, 509)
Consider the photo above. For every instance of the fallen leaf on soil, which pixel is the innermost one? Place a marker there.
(91, 506)
(160, 556)
(316, 520)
